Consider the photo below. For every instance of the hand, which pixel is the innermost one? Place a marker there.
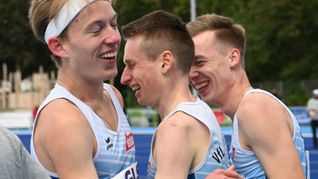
(222, 174)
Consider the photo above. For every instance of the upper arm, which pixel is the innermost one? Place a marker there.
(172, 152)
(65, 140)
(264, 129)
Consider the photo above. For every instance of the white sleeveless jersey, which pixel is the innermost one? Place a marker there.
(246, 162)
(115, 149)
(217, 155)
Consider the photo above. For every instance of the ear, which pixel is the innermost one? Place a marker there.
(167, 61)
(56, 47)
(235, 57)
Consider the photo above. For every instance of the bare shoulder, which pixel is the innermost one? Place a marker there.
(60, 112)
(257, 105)
(259, 115)
(266, 128)
(61, 119)
(179, 131)
(182, 125)
(178, 120)
(118, 95)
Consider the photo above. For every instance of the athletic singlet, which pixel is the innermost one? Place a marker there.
(246, 162)
(115, 149)
(217, 155)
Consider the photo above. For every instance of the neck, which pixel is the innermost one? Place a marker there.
(84, 90)
(234, 96)
(172, 96)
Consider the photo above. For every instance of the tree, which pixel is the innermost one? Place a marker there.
(18, 47)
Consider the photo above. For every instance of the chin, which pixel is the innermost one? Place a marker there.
(207, 99)
(111, 75)
(141, 102)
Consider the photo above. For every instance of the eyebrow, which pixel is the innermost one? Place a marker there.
(128, 61)
(199, 57)
(98, 22)
(125, 61)
(115, 16)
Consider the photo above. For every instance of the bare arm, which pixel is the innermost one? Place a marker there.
(266, 128)
(64, 141)
(173, 152)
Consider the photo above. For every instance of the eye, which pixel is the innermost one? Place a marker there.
(199, 62)
(129, 64)
(97, 28)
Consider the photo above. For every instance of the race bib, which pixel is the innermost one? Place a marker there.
(128, 173)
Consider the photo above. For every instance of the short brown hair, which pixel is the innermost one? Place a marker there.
(163, 31)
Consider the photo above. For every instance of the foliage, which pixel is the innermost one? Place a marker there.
(297, 96)
(18, 48)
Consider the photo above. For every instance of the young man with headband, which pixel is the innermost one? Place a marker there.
(80, 130)
(266, 140)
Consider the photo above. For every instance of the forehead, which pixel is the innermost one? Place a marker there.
(204, 39)
(132, 49)
(207, 42)
(203, 44)
(100, 9)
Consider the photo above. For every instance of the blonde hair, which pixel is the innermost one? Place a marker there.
(41, 12)
(225, 29)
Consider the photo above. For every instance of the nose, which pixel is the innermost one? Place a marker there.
(112, 36)
(125, 77)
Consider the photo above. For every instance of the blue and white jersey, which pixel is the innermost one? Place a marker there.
(246, 162)
(115, 154)
(217, 155)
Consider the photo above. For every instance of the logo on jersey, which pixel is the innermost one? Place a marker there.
(129, 141)
(108, 143)
(218, 154)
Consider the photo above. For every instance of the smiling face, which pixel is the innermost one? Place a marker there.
(210, 73)
(92, 43)
(141, 73)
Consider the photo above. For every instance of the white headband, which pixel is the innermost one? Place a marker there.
(64, 17)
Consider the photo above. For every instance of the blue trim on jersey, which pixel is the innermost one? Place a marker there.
(191, 176)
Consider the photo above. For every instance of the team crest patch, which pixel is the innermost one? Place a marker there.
(129, 141)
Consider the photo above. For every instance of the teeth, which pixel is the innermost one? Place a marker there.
(135, 88)
(201, 85)
(108, 55)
